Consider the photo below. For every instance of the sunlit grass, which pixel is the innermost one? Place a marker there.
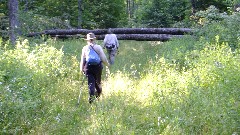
(117, 83)
(149, 91)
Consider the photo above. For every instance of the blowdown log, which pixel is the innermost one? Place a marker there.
(142, 37)
(139, 37)
(172, 31)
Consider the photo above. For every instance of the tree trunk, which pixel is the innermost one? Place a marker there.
(128, 9)
(143, 34)
(138, 37)
(13, 20)
(26, 5)
(142, 37)
(79, 14)
(172, 31)
(193, 2)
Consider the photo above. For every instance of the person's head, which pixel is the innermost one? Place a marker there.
(90, 37)
(109, 31)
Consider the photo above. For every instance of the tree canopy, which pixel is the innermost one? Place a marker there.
(39, 15)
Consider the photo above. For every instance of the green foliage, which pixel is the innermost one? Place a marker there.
(3, 7)
(103, 14)
(3, 26)
(165, 13)
(175, 51)
(210, 15)
(62, 11)
(52, 14)
(145, 94)
(26, 76)
(201, 99)
(183, 86)
(157, 13)
(223, 5)
(32, 22)
(219, 24)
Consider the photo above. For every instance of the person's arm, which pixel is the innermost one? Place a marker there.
(105, 41)
(102, 56)
(82, 62)
(116, 40)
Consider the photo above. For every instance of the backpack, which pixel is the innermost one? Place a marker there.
(92, 57)
(110, 46)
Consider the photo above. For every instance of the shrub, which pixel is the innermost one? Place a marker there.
(26, 77)
(202, 99)
(219, 24)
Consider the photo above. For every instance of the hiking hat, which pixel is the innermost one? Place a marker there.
(90, 36)
(109, 31)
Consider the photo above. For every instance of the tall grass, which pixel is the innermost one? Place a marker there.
(178, 87)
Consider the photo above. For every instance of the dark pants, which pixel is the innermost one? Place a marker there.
(94, 73)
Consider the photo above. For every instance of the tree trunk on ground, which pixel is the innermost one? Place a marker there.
(138, 37)
(142, 37)
(172, 31)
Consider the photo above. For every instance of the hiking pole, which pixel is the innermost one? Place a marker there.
(107, 72)
(80, 92)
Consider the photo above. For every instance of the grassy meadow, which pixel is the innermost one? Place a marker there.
(182, 86)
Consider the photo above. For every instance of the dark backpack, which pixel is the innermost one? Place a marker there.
(110, 46)
(92, 57)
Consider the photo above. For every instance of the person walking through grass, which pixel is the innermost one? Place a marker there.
(92, 68)
(111, 44)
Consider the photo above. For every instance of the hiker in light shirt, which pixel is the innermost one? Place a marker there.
(111, 44)
(93, 72)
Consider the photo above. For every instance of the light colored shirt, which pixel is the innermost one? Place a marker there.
(110, 39)
(100, 52)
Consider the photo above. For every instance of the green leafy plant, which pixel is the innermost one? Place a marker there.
(183, 86)
(26, 77)
(219, 24)
(32, 22)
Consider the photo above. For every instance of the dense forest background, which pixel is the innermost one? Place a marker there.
(38, 15)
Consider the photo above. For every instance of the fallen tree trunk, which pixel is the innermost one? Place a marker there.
(172, 31)
(142, 37)
(138, 37)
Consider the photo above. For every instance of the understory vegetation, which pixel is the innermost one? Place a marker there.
(183, 86)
